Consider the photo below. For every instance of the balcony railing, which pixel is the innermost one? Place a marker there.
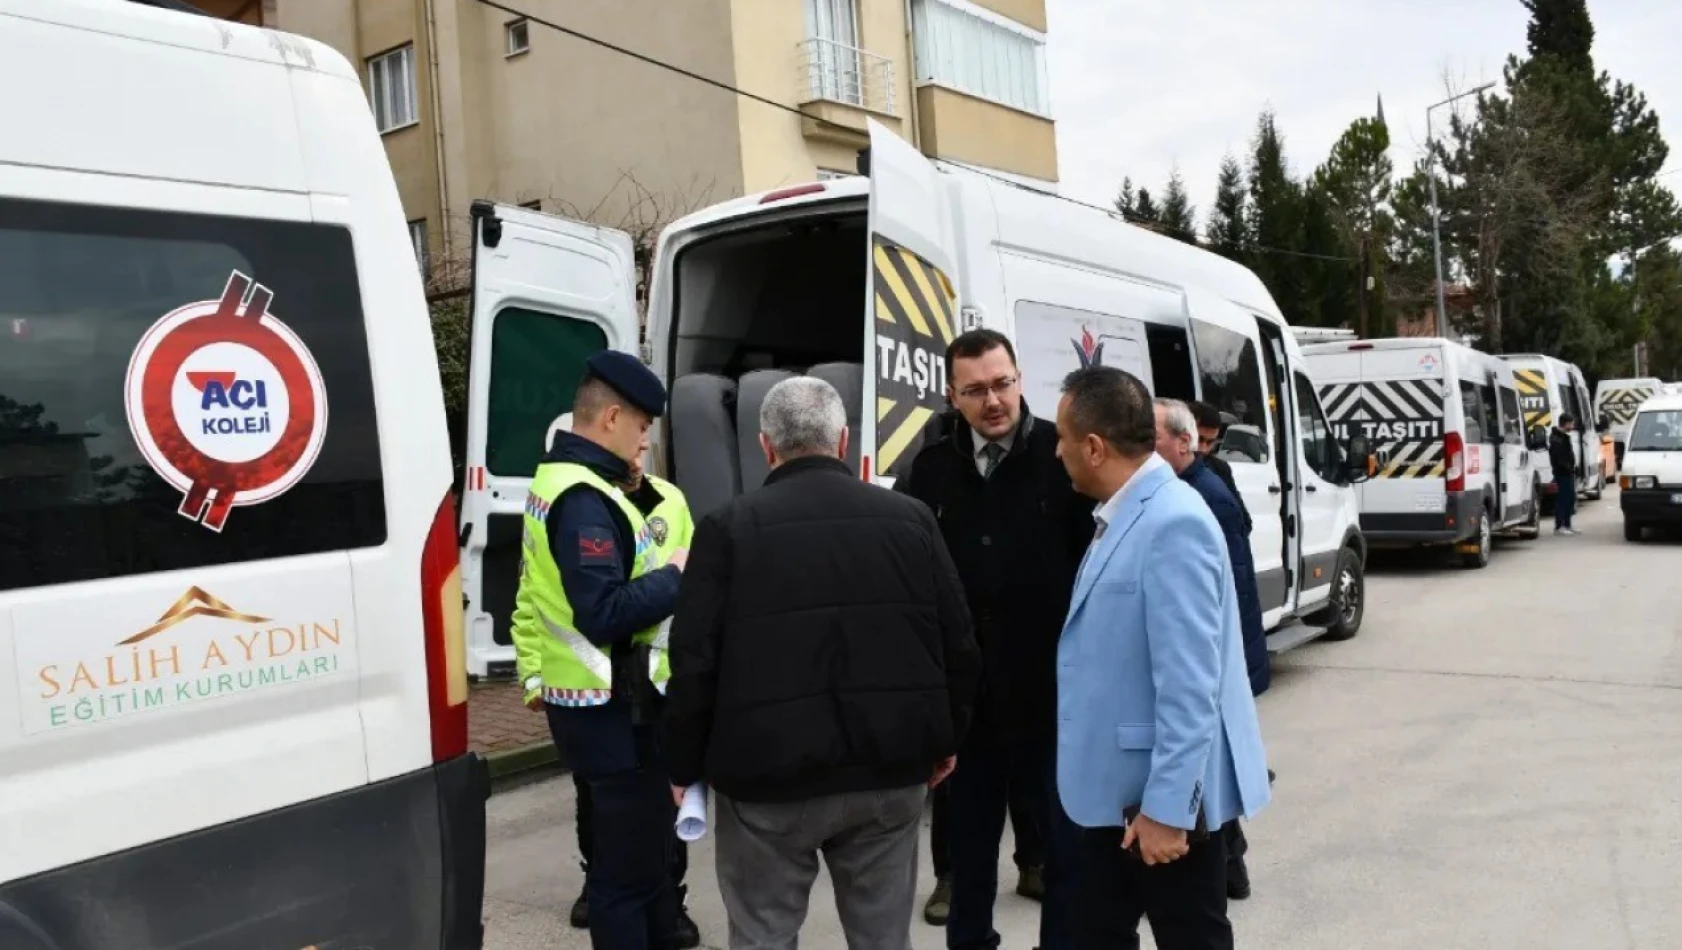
(837, 72)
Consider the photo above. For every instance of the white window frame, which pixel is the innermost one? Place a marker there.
(521, 29)
(838, 68)
(1010, 73)
(423, 250)
(830, 174)
(392, 89)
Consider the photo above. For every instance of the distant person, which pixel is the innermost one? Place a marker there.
(1209, 427)
(1174, 438)
(1158, 742)
(1564, 461)
(823, 673)
(1016, 529)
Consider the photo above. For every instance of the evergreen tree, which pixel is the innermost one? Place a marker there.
(1126, 201)
(1179, 218)
(1355, 185)
(1227, 230)
(1275, 220)
(1561, 28)
(1144, 207)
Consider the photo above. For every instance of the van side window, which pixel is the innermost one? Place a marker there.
(81, 496)
(1319, 452)
(1490, 415)
(1511, 418)
(1230, 372)
(1567, 404)
(1171, 361)
(1472, 411)
(537, 362)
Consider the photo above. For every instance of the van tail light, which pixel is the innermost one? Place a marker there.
(1454, 453)
(798, 191)
(1356, 347)
(443, 623)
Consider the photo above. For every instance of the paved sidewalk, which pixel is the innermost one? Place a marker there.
(497, 723)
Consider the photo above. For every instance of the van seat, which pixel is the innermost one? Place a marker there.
(704, 451)
(848, 380)
(750, 396)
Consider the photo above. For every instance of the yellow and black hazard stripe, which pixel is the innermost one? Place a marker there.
(1416, 459)
(915, 307)
(1533, 397)
(1620, 405)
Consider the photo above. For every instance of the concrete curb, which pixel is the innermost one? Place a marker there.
(509, 764)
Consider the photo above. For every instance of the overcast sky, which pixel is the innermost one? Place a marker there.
(1139, 85)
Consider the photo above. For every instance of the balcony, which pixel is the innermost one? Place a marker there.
(841, 87)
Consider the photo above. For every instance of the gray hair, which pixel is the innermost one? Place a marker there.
(803, 415)
(1178, 417)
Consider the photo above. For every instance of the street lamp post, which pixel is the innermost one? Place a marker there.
(1436, 215)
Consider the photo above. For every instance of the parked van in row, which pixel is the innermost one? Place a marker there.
(1651, 480)
(863, 281)
(1458, 467)
(1547, 389)
(232, 707)
(1616, 400)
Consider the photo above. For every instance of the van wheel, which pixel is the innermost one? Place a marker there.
(1486, 544)
(1594, 493)
(1342, 617)
(1532, 527)
(1634, 531)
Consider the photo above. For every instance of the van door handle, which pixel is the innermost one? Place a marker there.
(1273, 489)
(1310, 488)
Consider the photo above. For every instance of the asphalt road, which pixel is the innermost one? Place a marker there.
(1496, 761)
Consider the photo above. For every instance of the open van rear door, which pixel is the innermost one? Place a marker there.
(548, 293)
(910, 310)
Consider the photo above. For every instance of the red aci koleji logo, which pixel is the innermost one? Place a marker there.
(225, 402)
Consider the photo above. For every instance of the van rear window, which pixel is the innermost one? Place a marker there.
(178, 391)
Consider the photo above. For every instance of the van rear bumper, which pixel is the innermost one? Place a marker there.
(1455, 523)
(398, 864)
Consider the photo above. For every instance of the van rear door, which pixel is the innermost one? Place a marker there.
(548, 293)
(911, 305)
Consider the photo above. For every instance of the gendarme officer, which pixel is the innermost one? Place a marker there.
(598, 582)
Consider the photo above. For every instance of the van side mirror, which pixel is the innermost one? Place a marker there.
(1538, 440)
(1360, 460)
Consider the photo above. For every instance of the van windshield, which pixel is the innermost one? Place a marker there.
(1658, 430)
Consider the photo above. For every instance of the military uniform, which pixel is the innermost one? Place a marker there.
(590, 626)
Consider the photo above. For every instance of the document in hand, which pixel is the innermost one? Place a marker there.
(692, 814)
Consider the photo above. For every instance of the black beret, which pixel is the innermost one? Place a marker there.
(625, 375)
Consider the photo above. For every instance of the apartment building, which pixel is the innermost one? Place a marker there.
(486, 98)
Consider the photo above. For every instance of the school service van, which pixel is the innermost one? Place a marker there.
(862, 282)
(232, 708)
(1651, 480)
(1548, 388)
(1616, 400)
(1457, 468)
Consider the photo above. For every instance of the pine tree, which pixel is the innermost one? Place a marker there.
(1179, 218)
(1561, 28)
(1144, 207)
(1126, 201)
(1275, 220)
(1355, 184)
(1227, 230)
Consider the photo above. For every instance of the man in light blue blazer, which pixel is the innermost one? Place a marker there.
(1158, 742)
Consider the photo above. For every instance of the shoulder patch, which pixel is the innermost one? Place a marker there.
(596, 546)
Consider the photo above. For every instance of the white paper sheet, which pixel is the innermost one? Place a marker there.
(692, 814)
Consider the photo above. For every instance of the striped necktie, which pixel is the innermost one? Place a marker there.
(994, 453)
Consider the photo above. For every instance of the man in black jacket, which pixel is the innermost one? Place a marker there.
(823, 672)
(1564, 460)
(1017, 531)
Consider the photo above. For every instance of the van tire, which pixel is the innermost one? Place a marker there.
(1593, 494)
(1485, 536)
(1532, 527)
(1342, 616)
(1634, 531)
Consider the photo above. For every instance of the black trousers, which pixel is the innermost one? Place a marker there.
(1185, 900)
(1024, 828)
(586, 839)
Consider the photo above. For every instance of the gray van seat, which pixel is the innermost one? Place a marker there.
(848, 380)
(750, 395)
(704, 441)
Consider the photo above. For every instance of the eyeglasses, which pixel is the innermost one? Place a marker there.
(999, 387)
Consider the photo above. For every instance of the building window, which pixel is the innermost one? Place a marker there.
(423, 255)
(391, 88)
(519, 37)
(830, 174)
(980, 55)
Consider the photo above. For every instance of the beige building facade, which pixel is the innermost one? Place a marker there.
(481, 99)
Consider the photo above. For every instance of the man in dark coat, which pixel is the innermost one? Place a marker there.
(1175, 435)
(1564, 460)
(1017, 531)
(823, 677)
(1209, 426)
